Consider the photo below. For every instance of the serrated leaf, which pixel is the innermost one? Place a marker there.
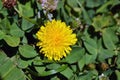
(27, 51)
(12, 41)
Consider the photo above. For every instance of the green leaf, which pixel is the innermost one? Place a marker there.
(118, 61)
(3, 11)
(24, 63)
(85, 14)
(75, 55)
(74, 68)
(5, 25)
(0, 5)
(26, 9)
(2, 57)
(115, 2)
(103, 8)
(90, 45)
(8, 69)
(68, 73)
(104, 54)
(55, 78)
(94, 3)
(100, 22)
(91, 13)
(39, 6)
(12, 41)
(88, 75)
(74, 77)
(27, 51)
(2, 34)
(53, 66)
(82, 62)
(72, 3)
(60, 4)
(24, 40)
(117, 74)
(107, 39)
(63, 67)
(107, 73)
(66, 17)
(16, 31)
(112, 32)
(26, 25)
(90, 58)
(39, 66)
(50, 72)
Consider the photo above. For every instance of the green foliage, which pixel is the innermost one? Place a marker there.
(92, 3)
(76, 53)
(12, 41)
(8, 69)
(95, 56)
(27, 51)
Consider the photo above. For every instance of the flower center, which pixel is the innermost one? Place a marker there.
(56, 40)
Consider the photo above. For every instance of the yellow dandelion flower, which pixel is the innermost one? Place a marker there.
(55, 39)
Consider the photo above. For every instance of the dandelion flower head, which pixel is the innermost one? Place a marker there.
(55, 39)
